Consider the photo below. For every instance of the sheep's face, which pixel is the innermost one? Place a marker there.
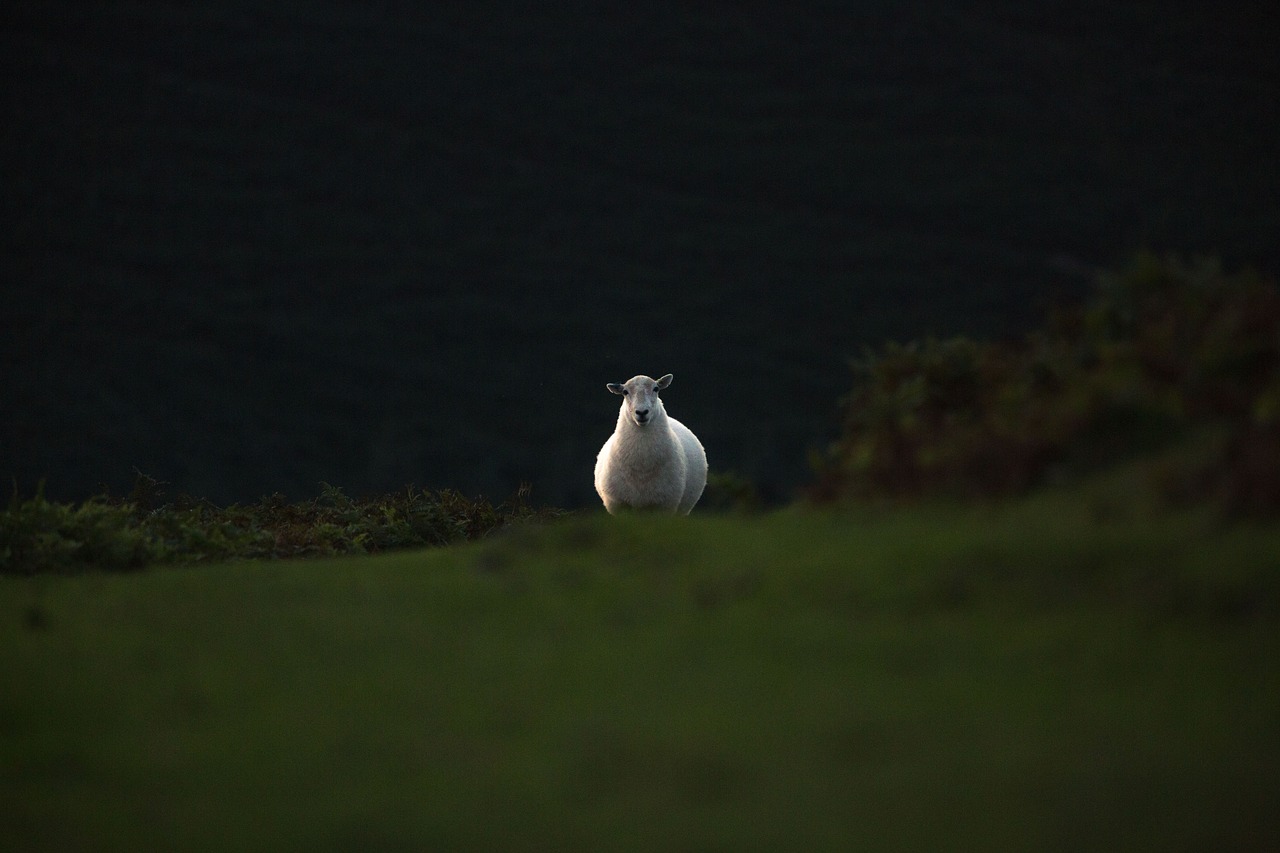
(641, 393)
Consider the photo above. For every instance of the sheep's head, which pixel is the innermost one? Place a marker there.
(641, 394)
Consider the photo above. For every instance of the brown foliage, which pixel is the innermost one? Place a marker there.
(1164, 349)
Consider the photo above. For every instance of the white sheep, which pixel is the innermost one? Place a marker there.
(652, 461)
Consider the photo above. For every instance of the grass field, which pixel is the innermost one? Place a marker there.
(1052, 675)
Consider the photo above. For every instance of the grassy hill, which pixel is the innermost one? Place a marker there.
(1068, 672)
(256, 248)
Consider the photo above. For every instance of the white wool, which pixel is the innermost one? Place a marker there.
(652, 461)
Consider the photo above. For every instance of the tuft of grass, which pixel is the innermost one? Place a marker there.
(730, 491)
(40, 536)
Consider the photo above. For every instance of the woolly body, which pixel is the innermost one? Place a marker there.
(652, 461)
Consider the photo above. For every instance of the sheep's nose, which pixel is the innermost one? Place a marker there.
(642, 413)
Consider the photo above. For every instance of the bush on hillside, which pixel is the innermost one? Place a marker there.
(1164, 349)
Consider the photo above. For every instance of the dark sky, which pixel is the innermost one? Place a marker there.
(255, 247)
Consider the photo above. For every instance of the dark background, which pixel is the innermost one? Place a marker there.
(251, 246)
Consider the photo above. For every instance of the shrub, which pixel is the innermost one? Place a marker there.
(1164, 348)
(40, 536)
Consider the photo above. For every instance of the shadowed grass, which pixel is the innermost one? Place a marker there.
(1021, 678)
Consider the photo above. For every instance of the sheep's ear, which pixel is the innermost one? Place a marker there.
(665, 381)
(616, 388)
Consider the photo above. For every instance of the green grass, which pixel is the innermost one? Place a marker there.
(1051, 675)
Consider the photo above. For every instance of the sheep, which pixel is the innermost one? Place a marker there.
(652, 461)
